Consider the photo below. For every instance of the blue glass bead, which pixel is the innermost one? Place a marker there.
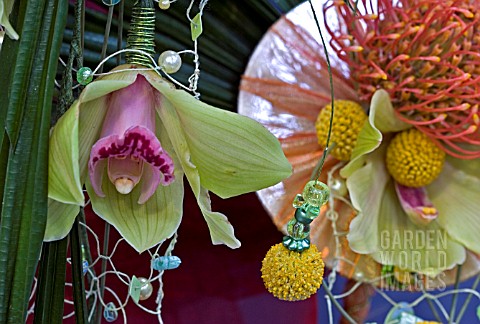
(84, 75)
(110, 313)
(110, 2)
(316, 193)
(396, 312)
(84, 266)
(166, 263)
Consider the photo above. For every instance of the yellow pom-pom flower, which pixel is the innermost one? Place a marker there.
(413, 159)
(291, 275)
(348, 120)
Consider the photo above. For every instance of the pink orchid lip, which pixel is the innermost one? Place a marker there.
(128, 147)
(416, 204)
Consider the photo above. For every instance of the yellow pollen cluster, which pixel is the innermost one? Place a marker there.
(413, 159)
(348, 120)
(291, 275)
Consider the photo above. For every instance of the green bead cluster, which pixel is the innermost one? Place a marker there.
(308, 204)
(84, 75)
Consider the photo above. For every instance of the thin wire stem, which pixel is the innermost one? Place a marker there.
(98, 315)
(337, 304)
(455, 296)
(106, 35)
(106, 236)
(430, 303)
(121, 10)
(467, 301)
(332, 94)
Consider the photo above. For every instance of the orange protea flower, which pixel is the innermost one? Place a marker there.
(426, 54)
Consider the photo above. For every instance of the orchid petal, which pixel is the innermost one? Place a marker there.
(385, 118)
(60, 220)
(416, 203)
(64, 184)
(383, 230)
(5, 10)
(233, 153)
(456, 194)
(103, 87)
(151, 179)
(381, 119)
(221, 231)
(143, 226)
(92, 114)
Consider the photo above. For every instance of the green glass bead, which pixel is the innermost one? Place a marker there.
(297, 230)
(316, 193)
(301, 216)
(84, 75)
(298, 201)
(296, 245)
(307, 213)
(312, 211)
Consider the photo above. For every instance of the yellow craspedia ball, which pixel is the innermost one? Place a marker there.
(413, 159)
(291, 275)
(348, 120)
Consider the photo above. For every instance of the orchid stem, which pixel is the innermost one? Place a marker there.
(455, 296)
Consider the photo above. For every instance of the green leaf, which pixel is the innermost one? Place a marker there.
(26, 96)
(79, 298)
(50, 291)
(196, 26)
(233, 154)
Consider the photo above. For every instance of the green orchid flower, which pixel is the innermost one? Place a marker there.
(131, 137)
(6, 7)
(395, 224)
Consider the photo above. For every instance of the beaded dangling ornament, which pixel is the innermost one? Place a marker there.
(293, 270)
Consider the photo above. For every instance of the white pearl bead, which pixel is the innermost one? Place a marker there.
(339, 187)
(170, 61)
(164, 4)
(146, 290)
